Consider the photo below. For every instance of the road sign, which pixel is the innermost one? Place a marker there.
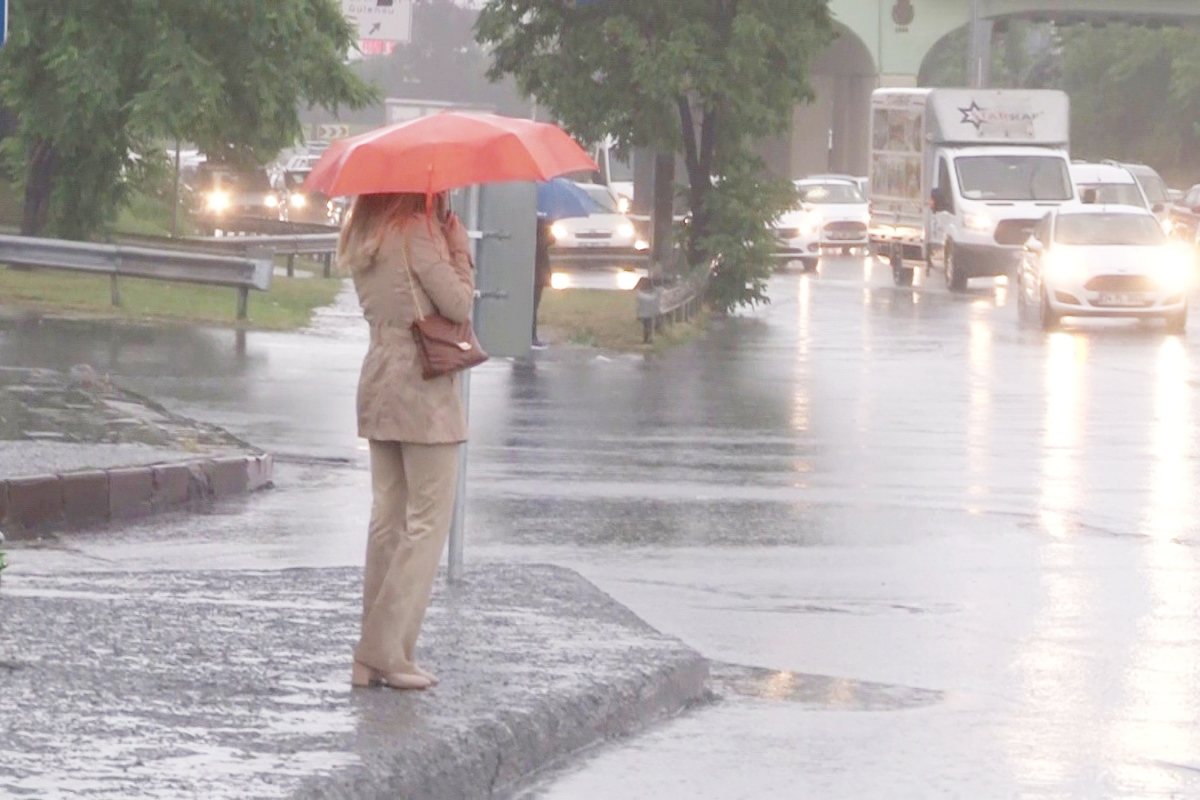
(327, 133)
(387, 20)
(376, 47)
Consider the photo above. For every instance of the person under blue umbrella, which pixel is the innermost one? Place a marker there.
(557, 199)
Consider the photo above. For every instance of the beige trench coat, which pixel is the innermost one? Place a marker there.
(395, 402)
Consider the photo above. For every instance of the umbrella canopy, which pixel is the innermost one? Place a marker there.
(560, 198)
(446, 151)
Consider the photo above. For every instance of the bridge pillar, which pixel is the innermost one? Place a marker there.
(830, 133)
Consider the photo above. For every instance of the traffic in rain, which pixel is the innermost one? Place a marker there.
(753, 401)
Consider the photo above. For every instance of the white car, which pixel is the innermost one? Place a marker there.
(1156, 192)
(832, 213)
(1103, 260)
(1107, 184)
(606, 238)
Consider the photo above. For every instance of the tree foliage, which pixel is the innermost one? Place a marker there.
(1135, 90)
(708, 79)
(95, 86)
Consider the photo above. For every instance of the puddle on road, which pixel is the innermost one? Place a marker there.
(817, 692)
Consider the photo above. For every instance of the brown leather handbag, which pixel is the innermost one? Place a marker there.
(444, 346)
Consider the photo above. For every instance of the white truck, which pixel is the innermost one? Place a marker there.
(959, 177)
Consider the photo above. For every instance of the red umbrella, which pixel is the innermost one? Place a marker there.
(445, 151)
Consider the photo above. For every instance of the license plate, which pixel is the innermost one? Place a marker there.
(593, 242)
(843, 235)
(1121, 299)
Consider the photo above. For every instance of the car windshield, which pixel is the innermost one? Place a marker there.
(1108, 229)
(295, 180)
(603, 199)
(1155, 189)
(237, 181)
(1014, 178)
(821, 193)
(1114, 194)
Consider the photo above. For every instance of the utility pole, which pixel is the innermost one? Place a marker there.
(175, 196)
(979, 47)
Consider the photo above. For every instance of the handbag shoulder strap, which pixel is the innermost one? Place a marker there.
(412, 278)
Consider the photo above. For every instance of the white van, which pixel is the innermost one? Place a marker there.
(959, 177)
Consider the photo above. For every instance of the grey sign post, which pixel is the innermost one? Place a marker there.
(505, 216)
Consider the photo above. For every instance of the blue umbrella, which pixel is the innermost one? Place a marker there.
(559, 198)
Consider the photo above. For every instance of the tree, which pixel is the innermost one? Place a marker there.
(705, 78)
(95, 87)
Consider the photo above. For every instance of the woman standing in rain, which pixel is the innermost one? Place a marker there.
(400, 254)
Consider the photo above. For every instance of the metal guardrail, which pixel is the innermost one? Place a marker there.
(264, 226)
(290, 245)
(322, 245)
(658, 305)
(245, 271)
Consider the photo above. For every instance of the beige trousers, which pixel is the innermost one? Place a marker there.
(413, 486)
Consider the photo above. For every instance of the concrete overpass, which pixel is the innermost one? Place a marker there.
(885, 42)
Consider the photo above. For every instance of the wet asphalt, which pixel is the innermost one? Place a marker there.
(931, 552)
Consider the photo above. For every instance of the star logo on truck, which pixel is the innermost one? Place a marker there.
(974, 115)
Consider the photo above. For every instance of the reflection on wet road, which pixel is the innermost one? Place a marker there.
(901, 490)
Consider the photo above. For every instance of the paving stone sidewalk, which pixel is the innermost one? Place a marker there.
(235, 685)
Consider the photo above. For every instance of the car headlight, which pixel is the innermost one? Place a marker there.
(217, 201)
(1168, 227)
(298, 201)
(1174, 270)
(626, 230)
(558, 231)
(271, 201)
(980, 223)
(1061, 266)
(624, 204)
(560, 281)
(641, 245)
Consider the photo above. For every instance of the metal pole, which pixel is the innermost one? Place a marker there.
(979, 47)
(454, 556)
(175, 204)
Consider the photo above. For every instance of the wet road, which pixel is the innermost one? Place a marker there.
(942, 554)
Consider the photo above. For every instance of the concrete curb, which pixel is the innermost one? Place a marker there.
(497, 759)
(39, 504)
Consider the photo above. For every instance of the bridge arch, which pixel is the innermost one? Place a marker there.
(885, 43)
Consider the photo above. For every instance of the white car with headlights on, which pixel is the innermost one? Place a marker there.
(832, 214)
(1103, 260)
(604, 239)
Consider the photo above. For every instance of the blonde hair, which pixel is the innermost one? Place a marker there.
(371, 217)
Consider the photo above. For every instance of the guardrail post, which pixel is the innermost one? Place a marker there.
(115, 289)
(291, 267)
(328, 265)
(243, 305)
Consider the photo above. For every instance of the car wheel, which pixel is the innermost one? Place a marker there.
(1049, 318)
(956, 279)
(901, 275)
(1177, 322)
(808, 265)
